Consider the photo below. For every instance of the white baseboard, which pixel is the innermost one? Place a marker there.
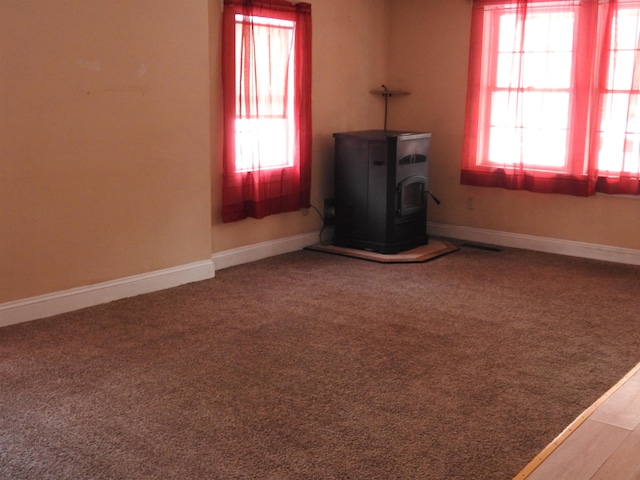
(61, 302)
(66, 301)
(258, 251)
(541, 244)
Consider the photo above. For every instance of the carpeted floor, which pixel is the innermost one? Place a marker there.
(317, 366)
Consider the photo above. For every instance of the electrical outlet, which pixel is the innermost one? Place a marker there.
(470, 203)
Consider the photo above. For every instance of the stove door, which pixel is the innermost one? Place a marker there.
(412, 196)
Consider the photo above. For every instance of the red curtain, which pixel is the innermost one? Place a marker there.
(552, 95)
(266, 80)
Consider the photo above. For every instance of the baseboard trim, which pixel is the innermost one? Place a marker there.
(47, 305)
(65, 301)
(61, 302)
(541, 244)
(259, 251)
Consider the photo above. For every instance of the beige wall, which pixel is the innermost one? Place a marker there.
(349, 59)
(429, 43)
(104, 142)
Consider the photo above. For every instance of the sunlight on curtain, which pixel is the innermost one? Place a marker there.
(266, 84)
(620, 123)
(530, 101)
(264, 110)
(553, 95)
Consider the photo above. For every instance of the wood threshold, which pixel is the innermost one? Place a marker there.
(549, 449)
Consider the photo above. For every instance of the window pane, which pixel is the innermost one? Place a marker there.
(527, 124)
(549, 31)
(263, 144)
(619, 152)
(529, 109)
(548, 110)
(625, 32)
(263, 67)
(621, 69)
(547, 70)
(508, 74)
(534, 147)
(503, 109)
(545, 147)
(539, 70)
(507, 33)
(264, 72)
(552, 30)
(620, 136)
(620, 123)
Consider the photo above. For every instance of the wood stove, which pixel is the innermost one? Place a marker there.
(381, 190)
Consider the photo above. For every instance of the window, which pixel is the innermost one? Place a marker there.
(266, 65)
(552, 96)
(620, 124)
(537, 73)
(264, 109)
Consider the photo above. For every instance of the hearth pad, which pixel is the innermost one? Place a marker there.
(434, 249)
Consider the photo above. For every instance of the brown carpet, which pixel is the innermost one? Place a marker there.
(316, 366)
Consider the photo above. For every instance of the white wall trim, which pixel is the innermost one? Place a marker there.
(258, 251)
(65, 301)
(60, 302)
(56, 303)
(541, 244)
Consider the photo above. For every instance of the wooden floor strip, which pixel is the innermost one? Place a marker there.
(549, 449)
